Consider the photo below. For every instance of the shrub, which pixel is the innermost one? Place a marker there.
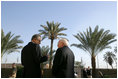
(19, 72)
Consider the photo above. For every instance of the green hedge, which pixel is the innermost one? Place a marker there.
(19, 72)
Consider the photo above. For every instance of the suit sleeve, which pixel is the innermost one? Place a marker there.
(37, 55)
(43, 59)
(58, 59)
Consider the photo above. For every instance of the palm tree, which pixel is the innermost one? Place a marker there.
(45, 50)
(109, 58)
(77, 63)
(9, 43)
(94, 42)
(82, 65)
(52, 31)
(115, 50)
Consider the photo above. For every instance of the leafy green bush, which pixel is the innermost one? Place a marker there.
(106, 76)
(19, 72)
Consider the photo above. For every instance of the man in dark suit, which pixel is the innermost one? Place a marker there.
(89, 74)
(84, 73)
(31, 58)
(63, 64)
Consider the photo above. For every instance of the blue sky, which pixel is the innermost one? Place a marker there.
(24, 18)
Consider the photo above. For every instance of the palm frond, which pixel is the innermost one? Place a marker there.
(9, 43)
(52, 30)
(60, 34)
(109, 57)
(95, 41)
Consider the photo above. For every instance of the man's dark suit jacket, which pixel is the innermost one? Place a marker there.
(84, 73)
(31, 59)
(63, 64)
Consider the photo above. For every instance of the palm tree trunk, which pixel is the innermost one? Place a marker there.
(1, 59)
(93, 66)
(50, 62)
(107, 65)
(112, 66)
(116, 63)
(1, 55)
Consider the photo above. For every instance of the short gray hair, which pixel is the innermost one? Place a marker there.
(65, 41)
(35, 36)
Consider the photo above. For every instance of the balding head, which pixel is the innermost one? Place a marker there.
(62, 42)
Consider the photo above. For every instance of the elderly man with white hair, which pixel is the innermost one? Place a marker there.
(63, 64)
